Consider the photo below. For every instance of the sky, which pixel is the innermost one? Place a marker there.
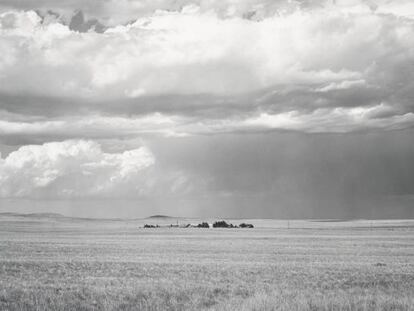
(207, 108)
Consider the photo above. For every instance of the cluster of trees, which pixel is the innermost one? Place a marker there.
(203, 225)
(223, 224)
(151, 226)
(217, 224)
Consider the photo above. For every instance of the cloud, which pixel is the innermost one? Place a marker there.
(190, 52)
(337, 120)
(97, 126)
(206, 68)
(80, 168)
(185, 52)
(321, 120)
(151, 101)
(113, 12)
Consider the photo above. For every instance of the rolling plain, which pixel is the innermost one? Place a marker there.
(49, 262)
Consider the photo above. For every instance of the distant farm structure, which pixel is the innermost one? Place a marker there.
(217, 224)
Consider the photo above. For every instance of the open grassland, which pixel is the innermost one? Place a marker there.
(68, 264)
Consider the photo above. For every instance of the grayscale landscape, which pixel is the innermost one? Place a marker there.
(58, 263)
(185, 155)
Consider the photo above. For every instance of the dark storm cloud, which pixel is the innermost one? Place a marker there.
(300, 175)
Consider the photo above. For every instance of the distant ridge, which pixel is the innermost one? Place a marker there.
(46, 215)
(57, 216)
(159, 216)
(50, 216)
(34, 215)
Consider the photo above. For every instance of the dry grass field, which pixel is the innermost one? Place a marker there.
(52, 263)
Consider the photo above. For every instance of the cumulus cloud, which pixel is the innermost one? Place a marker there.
(80, 168)
(113, 12)
(186, 52)
(209, 67)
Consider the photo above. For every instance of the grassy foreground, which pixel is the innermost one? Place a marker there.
(66, 264)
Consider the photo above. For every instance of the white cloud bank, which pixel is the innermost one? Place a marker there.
(320, 63)
(79, 168)
(189, 52)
